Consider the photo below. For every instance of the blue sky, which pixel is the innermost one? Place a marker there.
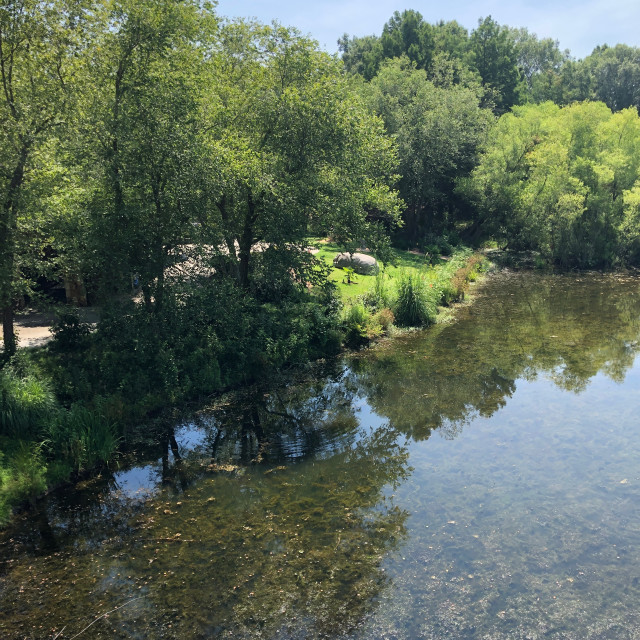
(579, 25)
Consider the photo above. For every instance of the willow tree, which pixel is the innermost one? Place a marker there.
(563, 182)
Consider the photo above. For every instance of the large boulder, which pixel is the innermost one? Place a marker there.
(359, 262)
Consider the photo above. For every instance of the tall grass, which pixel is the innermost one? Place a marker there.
(83, 438)
(416, 303)
(42, 443)
(22, 476)
(26, 404)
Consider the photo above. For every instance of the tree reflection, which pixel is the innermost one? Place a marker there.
(276, 527)
(522, 326)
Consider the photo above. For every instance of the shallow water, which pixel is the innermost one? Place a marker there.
(479, 480)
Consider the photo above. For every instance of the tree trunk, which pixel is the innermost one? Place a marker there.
(10, 342)
(229, 239)
(246, 241)
(7, 250)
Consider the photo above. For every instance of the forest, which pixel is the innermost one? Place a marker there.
(173, 167)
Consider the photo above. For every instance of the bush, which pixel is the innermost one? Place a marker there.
(384, 318)
(379, 296)
(415, 305)
(355, 323)
(21, 478)
(69, 333)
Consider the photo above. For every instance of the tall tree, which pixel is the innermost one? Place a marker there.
(540, 61)
(38, 41)
(438, 130)
(493, 54)
(139, 138)
(563, 182)
(298, 150)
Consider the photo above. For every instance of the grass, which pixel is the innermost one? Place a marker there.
(449, 276)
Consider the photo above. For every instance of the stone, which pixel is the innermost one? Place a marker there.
(360, 262)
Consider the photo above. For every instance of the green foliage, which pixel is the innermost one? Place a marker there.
(416, 303)
(438, 130)
(349, 275)
(379, 296)
(384, 318)
(27, 404)
(22, 476)
(81, 437)
(355, 322)
(493, 54)
(69, 332)
(561, 181)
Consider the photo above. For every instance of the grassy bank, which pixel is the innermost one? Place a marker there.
(407, 293)
(65, 408)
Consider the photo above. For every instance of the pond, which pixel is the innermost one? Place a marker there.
(477, 480)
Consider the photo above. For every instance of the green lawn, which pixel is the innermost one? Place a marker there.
(405, 261)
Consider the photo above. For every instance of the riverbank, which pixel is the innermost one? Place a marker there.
(57, 423)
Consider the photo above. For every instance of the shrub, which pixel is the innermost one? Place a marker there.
(69, 333)
(415, 306)
(83, 438)
(355, 323)
(384, 318)
(21, 478)
(379, 296)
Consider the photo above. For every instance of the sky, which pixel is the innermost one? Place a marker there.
(578, 25)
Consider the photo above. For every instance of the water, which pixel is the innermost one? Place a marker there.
(479, 480)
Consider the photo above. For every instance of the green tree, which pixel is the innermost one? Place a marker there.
(298, 152)
(438, 130)
(540, 62)
(492, 52)
(563, 182)
(140, 144)
(38, 41)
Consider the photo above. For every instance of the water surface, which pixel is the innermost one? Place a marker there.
(478, 480)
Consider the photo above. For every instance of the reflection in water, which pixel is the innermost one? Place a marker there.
(523, 326)
(293, 511)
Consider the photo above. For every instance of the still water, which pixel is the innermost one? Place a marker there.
(478, 480)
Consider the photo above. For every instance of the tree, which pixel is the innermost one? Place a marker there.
(563, 182)
(438, 130)
(361, 55)
(297, 150)
(404, 34)
(540, 62)
(38, 41)
(141, 132)
(493, 54)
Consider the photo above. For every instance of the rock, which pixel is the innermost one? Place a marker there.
(359, 262)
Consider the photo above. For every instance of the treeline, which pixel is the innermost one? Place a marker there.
(476, 163)
(512, 65)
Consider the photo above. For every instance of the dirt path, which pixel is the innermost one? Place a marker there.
(33, 327)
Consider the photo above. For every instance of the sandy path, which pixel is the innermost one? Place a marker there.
(34, 327)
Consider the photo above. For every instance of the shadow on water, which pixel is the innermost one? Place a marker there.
(292, 511)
